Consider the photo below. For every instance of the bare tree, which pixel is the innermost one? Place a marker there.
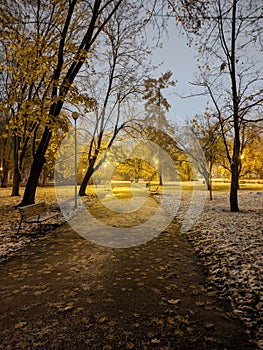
(206, 131)
(229, 42)
(120, 78)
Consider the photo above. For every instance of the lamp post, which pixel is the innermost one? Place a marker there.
(75, 116)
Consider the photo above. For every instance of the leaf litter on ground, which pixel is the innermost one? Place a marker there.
(229, 244)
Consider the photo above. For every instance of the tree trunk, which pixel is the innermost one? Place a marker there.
(44, 176)
(17, 175)
(89, 173)
(207, 180)
(160, 180)
(210, 188)
(235, 100)
(16, 182)
(210, 177)
(35, 171)
(235, 172)
(4, 178)
(234, 188)
(7, 151)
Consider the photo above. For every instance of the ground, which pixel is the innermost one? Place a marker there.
(61, 291)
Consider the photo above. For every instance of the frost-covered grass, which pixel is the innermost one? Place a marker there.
(230, 246)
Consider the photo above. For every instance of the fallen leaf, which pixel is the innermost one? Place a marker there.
(209, 325)
(174, 301)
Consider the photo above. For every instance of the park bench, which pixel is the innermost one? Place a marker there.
(35, 214)
(153, 188)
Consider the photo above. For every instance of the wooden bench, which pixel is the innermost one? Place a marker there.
(153, 188)
(35, 214)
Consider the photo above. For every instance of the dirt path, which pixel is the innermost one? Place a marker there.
(64, 292)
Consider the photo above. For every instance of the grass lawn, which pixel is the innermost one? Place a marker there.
(48, 194)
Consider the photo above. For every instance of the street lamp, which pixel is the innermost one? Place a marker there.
(156, 162)
(75, 116)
